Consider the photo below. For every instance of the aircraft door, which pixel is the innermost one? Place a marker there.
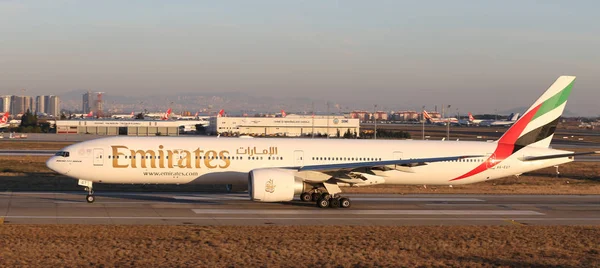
(98, 157)
(299, 158)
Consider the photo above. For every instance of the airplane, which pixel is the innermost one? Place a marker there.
(82, 116)
(473, 120)
(123, 116)
(4, 120)
(221, 113)
(188, 117)
(439, 121)
(512, 118)
(277, 170)
(283, 114)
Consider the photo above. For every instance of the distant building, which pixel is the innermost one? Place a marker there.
(40, 104)
(126, 127)
(360, 115)
(88, 102)
(53, 106)
(406, 115)
(380, 116)
(20, 104)
(289, 126)
(364, 115)
(5, 103)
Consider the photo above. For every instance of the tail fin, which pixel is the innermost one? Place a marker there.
(4, 118)
(514, 117)
(471, 118)
(167, 114)
(283, 114)
(426, 115)
(537, 125)
(510, 117)
(221, 113)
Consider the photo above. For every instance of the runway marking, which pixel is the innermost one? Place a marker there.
(363, 212)
(517, 204)
(416, 199)
(214, 197)
(372, 199)
(118, 202)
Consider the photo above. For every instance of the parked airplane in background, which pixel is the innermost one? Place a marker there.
(185, 117)
(512, 118)
(82, 116)
(473, 120)
(283, 114)
(276, 170)
(4, 120)
(221, 113)
(123, 116)
(439, 121)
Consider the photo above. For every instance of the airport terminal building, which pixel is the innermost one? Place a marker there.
(289, 126)
(126, 127)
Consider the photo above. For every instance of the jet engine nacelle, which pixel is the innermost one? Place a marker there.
(273, 185)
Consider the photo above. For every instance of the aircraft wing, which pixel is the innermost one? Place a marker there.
(351, 166)
(544, 157)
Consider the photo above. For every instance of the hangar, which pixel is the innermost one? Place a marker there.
(290, 126)
(126, 127)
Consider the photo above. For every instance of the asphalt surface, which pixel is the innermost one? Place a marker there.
(236, 209)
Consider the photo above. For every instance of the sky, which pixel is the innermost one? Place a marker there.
(478, 56)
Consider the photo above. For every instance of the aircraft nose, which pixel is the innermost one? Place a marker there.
(55, 165)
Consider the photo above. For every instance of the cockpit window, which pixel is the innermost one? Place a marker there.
(62, 153)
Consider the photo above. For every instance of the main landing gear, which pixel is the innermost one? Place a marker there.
(333, 201)
(310, 196)
(325, 200)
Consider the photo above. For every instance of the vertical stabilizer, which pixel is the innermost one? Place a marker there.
(514, 117)
(537, 125)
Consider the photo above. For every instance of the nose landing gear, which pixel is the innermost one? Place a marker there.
(88, 187)
(90, 196)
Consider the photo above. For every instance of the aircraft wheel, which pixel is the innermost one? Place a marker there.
(323, 203)
(90, 198)
(315, 197)
(306, 197)
(345, 202)
(334, 203)
(325, 196)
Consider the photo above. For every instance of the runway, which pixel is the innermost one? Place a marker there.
(236, 209)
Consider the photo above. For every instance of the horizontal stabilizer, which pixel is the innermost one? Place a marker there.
(544, 157)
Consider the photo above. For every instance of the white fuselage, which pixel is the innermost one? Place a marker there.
(182, 160)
